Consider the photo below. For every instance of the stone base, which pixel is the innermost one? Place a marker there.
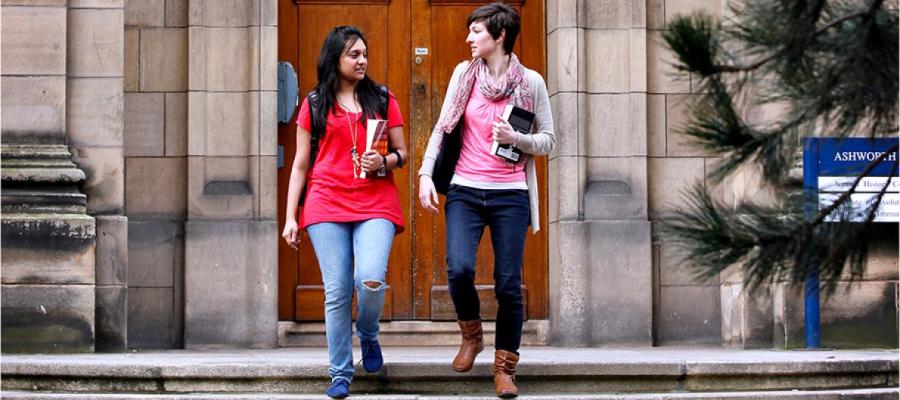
(858, 315)
(231, 287)
(48, 318)
(746, 317)
(601, 275)
(48, 283)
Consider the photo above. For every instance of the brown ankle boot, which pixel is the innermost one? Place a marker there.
(505, 374)
(472, 344)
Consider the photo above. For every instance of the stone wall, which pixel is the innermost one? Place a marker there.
(600, 244)
(621, 160)
(619, 105)
(686, 309)
(231, 231)
(64, 270)
(155, 145)
(94, 127)
(200, 146)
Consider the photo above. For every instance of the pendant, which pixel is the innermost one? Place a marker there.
(355, 157)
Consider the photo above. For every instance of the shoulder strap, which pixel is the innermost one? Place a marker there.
(317, 131)
(312, 98)
(383, 100)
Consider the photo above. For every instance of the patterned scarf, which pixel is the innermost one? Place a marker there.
(514, 85)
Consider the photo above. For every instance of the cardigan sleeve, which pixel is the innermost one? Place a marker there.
(543, 139)
(437, 137)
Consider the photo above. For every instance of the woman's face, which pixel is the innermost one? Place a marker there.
(354, 61)
(480, 41)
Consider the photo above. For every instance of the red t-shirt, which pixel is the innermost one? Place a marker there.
(332, 194)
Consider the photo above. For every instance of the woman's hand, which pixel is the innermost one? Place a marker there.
(291, 234)
(371, 161)
(503, 132)
(428, 196)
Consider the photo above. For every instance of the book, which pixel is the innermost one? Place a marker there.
(376, 138)
(521, 121)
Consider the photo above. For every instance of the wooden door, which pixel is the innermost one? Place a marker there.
(396, 30)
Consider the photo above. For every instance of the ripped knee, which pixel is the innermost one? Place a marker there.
(373, 285)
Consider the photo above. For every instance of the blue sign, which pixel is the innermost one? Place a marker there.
(832, 166)
(851, 156)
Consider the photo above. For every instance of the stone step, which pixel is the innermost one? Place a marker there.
(403, 333)
(425, 371)
(848, 394)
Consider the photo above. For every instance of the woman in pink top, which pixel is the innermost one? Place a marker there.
(483, 189)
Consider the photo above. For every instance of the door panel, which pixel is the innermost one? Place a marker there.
(394, 29)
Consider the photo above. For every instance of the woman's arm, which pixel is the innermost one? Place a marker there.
(398, 143)
(543, 139)
(428, 196)
(296, 185)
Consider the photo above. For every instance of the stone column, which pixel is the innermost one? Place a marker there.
(48, 275)
(600, 265)
(155, 121)
(231, 233)
(94, 130)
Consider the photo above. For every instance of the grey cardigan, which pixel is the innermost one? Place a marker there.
(541, 141)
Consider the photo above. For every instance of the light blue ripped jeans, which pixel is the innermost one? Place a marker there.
(337, 245)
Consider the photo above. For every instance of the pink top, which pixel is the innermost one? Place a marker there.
(476, 163)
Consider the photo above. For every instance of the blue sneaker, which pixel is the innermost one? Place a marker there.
(339, 389)
(371, 355)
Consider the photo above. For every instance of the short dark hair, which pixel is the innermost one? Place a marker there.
(498, 17)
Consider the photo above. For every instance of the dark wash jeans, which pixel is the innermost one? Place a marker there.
(507, 213)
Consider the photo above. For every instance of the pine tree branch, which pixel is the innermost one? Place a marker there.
(719, 68)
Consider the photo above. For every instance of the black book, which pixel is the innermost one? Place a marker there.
(521, 120)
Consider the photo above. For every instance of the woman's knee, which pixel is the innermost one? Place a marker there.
(508, 291)
(460, 269)
(372, 285)
(337, 301)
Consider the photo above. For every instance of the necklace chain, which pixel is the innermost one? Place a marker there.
(353, 128)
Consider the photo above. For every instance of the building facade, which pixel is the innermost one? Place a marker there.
(140, 180)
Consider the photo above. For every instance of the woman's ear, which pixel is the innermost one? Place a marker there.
(501, 37)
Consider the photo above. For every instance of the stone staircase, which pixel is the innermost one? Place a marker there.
(405, 333)
(424, 373)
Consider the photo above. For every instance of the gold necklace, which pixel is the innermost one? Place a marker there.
(354, 154)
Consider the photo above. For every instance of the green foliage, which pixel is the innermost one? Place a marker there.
(829, 64)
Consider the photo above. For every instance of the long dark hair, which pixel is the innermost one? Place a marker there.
(339, 39)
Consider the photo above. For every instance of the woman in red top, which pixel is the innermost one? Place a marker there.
(351, 209)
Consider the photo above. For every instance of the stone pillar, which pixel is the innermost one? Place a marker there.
(155, 122)
(600, 265)
(48, 275)
(231, 234)
(94, 130)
